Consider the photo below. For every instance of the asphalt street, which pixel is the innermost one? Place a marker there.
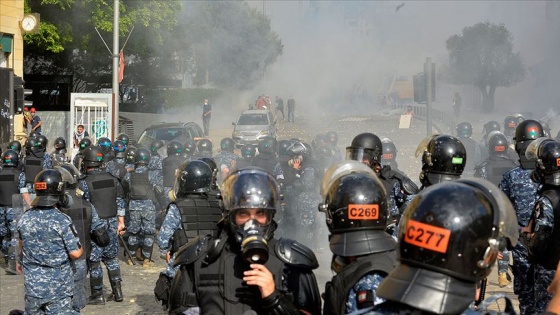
(138, 282)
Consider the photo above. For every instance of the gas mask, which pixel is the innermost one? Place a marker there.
(254, 245)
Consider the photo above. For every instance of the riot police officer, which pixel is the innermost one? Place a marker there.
(363, 254)
(89, 227)
(116, 167)
(142, 205)
(510, 125)
(169, 165)
(107, 147)
(124, 138)
(156, 159)
(389, 155)
(226, 159)
(481, 152)
(464, 133)
(204, 147)
(267, 158)
(12, 183)
(544, 226)
(105, 193)
(59, 154)
(498, 162)
(248, 152)
(332, 139)
(190, 150)
(78, 158)
(522, 192)
(451, 236)
(248, 259)
(36, 159)
(49, 242)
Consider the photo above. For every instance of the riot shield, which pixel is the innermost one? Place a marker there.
(80, 213)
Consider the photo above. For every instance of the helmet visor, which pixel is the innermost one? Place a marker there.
(66, 175)
(239, 217)
(532, 151)
(340, 169)
(423, 145)
(362, 155)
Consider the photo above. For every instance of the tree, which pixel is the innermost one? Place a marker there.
(68, 44)
(483, 56)
(225, 43)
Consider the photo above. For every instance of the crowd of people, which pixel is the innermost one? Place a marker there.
(239, 229)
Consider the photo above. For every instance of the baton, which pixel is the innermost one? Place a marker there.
(482, 292)
(126, 249)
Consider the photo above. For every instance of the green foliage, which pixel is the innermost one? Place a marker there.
(483, 56)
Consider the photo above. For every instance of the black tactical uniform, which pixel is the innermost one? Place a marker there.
(498, 162)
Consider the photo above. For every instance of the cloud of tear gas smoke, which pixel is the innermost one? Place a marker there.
(338, 55)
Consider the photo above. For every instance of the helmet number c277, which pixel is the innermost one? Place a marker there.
(363, 212)
(427, 236)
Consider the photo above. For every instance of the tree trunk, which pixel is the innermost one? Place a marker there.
(487, 98)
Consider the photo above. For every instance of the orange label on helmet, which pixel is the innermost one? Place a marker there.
(558, 162)
(363, 212)
(427, 236)
(388, 156)
(499, 148)
(40, 186)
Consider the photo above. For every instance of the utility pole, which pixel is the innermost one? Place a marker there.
(428, 66)
(115, 127)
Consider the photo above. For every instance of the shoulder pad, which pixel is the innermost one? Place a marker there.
(295, 254)
(387, 172)
(409, 187)
(193, 250)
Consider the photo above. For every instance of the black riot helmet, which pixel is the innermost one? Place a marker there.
(105, 144)
(211, 163)
(70, 175)
(190, 148)
(464, 130)
(268, 145)
(332, 137)
(124, 138)
(49, 188)
(320, 139)
(250, 188)
(174, 148)
(510, 124)
(525, 133)
(248, 151)
(30, 144)
(34, 134)
(546, 128)
(451, 233)
(356, 212)
(497, 144)
(130, 154)
(389, 151)
(10, 158)
(443, 158)
(155, 146)
(283, 146)
(84, 144)
(142, 157)
(41, 143)
(227, 145)
(519, 117)
(193, 177)
(366, 148)
(60, 144)
(546, 153)
(119, 147)
(93, 157)
(204, 145)
(490, 126)
(15, 145)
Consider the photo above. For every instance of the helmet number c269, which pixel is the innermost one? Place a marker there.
(363, 212)
(427, 236)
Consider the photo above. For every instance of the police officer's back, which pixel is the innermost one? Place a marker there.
(498, 162)
(448, 240)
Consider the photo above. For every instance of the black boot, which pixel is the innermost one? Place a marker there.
(115, 279)
(97, 297)
(11, 268)
(117, 291)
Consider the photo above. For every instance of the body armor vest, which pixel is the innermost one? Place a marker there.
(336, 290)
(9, 182)
(549, 257)
(266, 162)
(80, 213)
(103, 194)
(497, 167)
(199, 215)
(33, 165)
(222, 291)
(140, 187)
(168, 166)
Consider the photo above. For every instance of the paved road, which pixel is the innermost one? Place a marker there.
(138, 282)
